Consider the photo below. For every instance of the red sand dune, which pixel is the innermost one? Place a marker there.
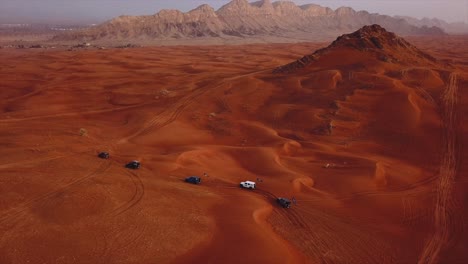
(372, 151)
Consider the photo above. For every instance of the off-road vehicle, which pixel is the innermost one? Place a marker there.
(284, 202)
(247, 184)
(193, 179)
(103, 155)
(134, 164)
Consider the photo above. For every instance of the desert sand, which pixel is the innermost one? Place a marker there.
(372, 151)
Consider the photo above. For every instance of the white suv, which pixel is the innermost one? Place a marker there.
(247, 184)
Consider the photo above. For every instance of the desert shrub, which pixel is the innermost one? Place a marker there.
(83, 132)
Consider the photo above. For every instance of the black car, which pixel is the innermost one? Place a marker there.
(103, 155)
(285, 203)
(133, 165)
(193, 179)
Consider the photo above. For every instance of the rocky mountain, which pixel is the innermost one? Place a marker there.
(452, 28)
(241, 19)
(373, 42)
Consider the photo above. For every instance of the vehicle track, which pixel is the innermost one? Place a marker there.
(426, 95)
(24, 96)
(265, 193)
(10, 120)
(171, 113)
(408, 211)
(404, 73)
(445, 223)
(421, 91)
(28, 162)
(414, 215)
(330, 239)
(119, 239)
(166, 117)
(318, 234)
(407, 189)
(18, 211)
(137, 195)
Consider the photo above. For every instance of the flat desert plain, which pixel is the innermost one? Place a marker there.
(373, 152)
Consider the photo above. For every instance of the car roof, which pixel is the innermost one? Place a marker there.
(251, 182)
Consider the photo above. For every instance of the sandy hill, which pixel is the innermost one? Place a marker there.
(280, 20)
(368, 135)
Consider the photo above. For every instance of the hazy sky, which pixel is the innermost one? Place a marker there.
(93, 11)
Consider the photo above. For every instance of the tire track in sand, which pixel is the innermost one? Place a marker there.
(72, 114)
(317, 234)
(15, 212)
(136, 197)
(331, 239)
(445, 224)
(35, 161)
(420, 91)
(171, 113)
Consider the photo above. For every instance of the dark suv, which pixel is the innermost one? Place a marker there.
(133, 165)
(103, 155)
(285, 203)
(193, 179)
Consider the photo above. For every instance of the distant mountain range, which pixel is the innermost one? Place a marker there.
(451, 28)
(239, 19)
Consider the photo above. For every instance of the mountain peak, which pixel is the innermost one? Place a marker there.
(235, 7)
(344, 11)
(316, 10)
(263, 3)
(265, 6)
(203, 10)
(236, 4)
(371, 37)
(168, 13)
(373, 30)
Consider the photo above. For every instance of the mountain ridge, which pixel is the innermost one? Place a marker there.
(241, 19)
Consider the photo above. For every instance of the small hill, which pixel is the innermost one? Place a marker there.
(374, 41)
